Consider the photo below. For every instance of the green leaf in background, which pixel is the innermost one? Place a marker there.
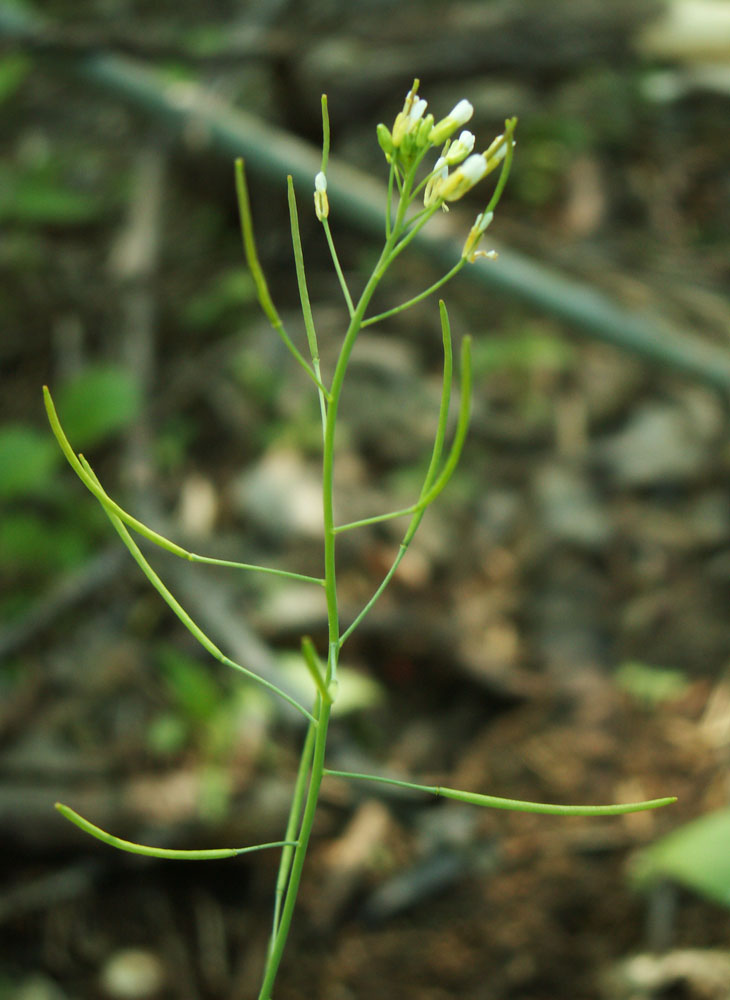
(525, 351)
(191, 685)
(167, 734)
(226, 293)
(650, 685)
(13, 70)
(38, 196)
(696, 856)
(28, 459)
(102, 400)
(30, 545)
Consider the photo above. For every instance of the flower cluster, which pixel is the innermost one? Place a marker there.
(414, 132)
(456, 171)
(458, 168)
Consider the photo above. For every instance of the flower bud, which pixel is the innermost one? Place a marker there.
(385, 140)
(321, 202)
(460, 149)
(438, 176)
(418, 109)
(424, 130)
(459, 115)
(476, 232)
(408, 120)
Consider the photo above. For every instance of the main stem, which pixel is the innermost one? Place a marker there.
(333, 621)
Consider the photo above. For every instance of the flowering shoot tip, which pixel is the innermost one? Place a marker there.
(457, 169)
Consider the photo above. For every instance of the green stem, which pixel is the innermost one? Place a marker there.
(462, 427)
(304, 292)
(430, 489)
(91, 482)
(330, 573)
(325, 134)
(402, 549)
(300, 852)
(510, 125)
(301, 274)
(262, 289)
(376, 519)
(271, 571)
(184, 617)
(162, 852)
(515, 805)
(338, 269)
(418, 298)
(389, 201)
(295, 813)
(316, 772)
(313, 666)
(438, 440)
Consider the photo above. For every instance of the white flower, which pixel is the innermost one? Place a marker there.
(462, 112)
(416, 112)
(463, 178)
(459, 115)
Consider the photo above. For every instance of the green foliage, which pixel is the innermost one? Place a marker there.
(201, 713)
(14, 69)
(526, 350)
(172, 442)
(28, 461)
(191, 686)
(102, 400)
(223, 298)
(650, 685)
(38, 195)
(167, 734)
(207, 39)
(696, 856)
(41, 533)
(259, 378)
(35, 544)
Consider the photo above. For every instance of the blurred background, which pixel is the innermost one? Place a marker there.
(559, 630)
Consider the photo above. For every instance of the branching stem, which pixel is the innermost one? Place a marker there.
(513, 805)
(405, 149)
